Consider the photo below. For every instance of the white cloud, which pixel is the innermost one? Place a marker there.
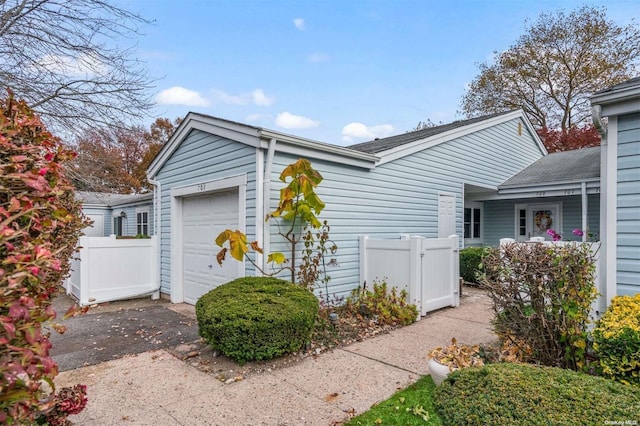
(290, 121)
(180, 96)
(360, 131)
(70, 66)
(299, 23)
(318, 57)
(224, 97)
(257, 97)
(258, 118)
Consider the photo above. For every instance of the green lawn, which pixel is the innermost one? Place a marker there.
(410, 406)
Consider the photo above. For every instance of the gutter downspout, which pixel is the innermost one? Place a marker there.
(585, 207)
(266, 194)
(157, 197)
(606, 290)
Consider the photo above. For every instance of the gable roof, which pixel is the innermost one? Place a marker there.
(577, 165)
(383, 144)
(394, 147)
(367, 155)
(105, 199)
(257, 137)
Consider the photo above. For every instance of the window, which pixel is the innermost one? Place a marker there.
(522, 222)
(472, 223)
(142, 223)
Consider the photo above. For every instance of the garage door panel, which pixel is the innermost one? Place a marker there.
(204, 217)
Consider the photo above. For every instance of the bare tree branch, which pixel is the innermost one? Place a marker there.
(64, 57)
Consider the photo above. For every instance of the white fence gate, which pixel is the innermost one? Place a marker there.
(108, 269)
(427, 268)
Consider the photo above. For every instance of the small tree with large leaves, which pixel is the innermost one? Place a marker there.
(40, 223)
(297, 220)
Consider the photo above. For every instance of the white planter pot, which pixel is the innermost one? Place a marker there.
(438, 371)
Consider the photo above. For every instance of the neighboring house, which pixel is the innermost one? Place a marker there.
(215, 174)
(117, 214)
(620, 215)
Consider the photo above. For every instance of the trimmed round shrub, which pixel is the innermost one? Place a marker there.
(257, 318)
(617, 340)
(524, 394)
(470, 260)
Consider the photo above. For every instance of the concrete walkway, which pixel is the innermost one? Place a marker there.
(156, 388)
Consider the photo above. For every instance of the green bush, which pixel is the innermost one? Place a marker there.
(470, 260)
(387, 307)
(256, 318)
(521, 394)
(617, 340)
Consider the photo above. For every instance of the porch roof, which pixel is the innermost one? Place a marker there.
(578, 165)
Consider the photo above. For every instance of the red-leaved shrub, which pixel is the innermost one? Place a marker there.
(40, 223)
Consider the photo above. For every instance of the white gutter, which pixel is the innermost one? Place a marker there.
(266, 197)
(157, 230)
(585, 204)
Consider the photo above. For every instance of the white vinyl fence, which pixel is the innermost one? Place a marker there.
(108, 269)
(600, 304)
(427, 268)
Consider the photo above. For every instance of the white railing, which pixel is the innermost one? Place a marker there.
(600, 304)
(427, 268)
(108, 269)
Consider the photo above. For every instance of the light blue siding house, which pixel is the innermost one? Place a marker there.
(117, 214)
(620, 216)
(215, 174)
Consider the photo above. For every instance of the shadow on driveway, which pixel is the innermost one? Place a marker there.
(106, 335)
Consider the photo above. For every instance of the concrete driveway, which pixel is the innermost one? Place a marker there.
(155, 387)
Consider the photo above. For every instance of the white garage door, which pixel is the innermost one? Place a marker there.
(203, 218)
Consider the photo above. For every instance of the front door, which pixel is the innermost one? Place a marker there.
(446, 215)
(535, 220)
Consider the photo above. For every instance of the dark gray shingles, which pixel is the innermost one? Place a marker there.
(383, 144)
(567, 166)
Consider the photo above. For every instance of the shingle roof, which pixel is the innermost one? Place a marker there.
(383, 144)
(629, 83)
(108, 199)
(567, 166)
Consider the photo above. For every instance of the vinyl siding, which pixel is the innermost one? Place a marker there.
(628, 204)
(105, 212)
(401, 196)
(129, 223)
(203, 157)
(499, 217)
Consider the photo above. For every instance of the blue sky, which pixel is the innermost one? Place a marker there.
(339, 71)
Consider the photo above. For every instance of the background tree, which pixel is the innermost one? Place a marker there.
(426, 125)
(554, 67)
(115, 159)
(65, 58)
